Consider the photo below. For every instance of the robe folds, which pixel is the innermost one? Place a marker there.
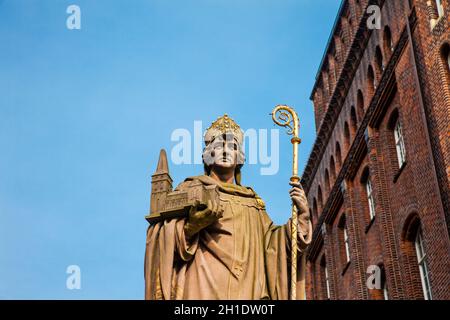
(243, 255)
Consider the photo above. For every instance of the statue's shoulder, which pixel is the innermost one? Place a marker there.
(250, 189)
(259, 200)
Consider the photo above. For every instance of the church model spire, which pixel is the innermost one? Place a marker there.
(161, 184)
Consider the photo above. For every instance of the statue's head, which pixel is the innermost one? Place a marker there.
(223, 147)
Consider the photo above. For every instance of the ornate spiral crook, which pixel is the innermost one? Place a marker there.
(285, 116)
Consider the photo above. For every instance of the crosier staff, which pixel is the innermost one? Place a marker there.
(285, 116)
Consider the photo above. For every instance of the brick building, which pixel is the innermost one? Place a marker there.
(378, 176)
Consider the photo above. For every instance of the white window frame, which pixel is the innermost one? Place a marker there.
(439, 8)
(346, 244)
(385, 290)
(423, 267)
(370, 199)
(327, 282)
(399, 143)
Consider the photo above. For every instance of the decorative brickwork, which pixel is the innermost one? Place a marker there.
(380, 95)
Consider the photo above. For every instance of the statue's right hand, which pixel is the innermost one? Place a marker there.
(200, 216)
(205, 215)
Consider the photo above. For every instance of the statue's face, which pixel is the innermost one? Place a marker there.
(225, 153)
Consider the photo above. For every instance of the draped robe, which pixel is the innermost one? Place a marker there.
(243, 255)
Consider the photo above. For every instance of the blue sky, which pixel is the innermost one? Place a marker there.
(83, 114)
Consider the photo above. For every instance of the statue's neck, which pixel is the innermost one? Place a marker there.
(224, 177)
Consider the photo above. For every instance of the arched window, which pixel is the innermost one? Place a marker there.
(347, 136)
(379, 60)
(325, 278)
(338, 155)
(423, 267)
(327, 181)
(344, 241)
(369, 195)
(388, 42)
(332, 169)
(353, 119)
(397, 139)
(399, 143)
(320, 198)
(371, 85)
(315, 212)
(414, 250)
(360, 105)
(370, 198)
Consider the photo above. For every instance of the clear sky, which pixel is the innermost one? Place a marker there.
(84, 113)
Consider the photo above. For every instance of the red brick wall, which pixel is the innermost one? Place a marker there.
(418, 94)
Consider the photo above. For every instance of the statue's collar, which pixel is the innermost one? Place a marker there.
(229, 188)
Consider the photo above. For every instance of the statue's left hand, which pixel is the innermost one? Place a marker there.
(299, 198)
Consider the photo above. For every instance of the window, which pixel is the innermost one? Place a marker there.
(333, 169)
(435, 12)
(385, 291)
(370, 198)
(379, 59)
(423, 268)
(327, 283)
(338, 155)
(346, 244)
(360, 105)
(372, 86)
(384, 294)
(353, 119)
(344, 240)
(325, 278)
(320, 198)
(446, 58)
(439, 8)
(399, 144)
(315, 214)
(414, 249)
(388, 42)
(347, 136)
